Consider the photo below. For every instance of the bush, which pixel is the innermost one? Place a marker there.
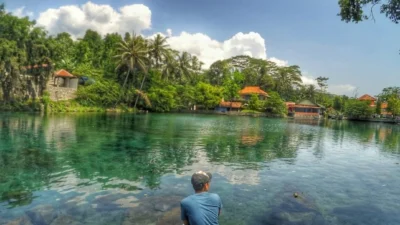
(102, 93)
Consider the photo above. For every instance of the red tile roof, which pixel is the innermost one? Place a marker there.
(367, 98)
(253, 90)
(63, 73)
(384, 105)
(236, 105)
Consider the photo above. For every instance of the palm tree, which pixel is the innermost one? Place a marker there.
(170, 64)
(183, 69)
(133, 57)
(159, 49)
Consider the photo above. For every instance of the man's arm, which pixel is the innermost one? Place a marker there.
(183, 216)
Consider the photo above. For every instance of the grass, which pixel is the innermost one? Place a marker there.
(251, 111)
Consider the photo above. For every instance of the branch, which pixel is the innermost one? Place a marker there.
(372, 12)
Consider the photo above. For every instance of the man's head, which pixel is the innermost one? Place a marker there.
(201, 181)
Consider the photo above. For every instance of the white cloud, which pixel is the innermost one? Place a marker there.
(21, 12)
(101, 18)
(342, 89)
(209, 50)
(308, 79)
(169, 32)
(279, 62)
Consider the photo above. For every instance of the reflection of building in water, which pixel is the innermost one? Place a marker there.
(60, 131)
(251, 139)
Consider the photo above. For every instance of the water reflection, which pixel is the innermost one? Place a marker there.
(85, 165)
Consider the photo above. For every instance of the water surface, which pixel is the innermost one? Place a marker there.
(134, 169)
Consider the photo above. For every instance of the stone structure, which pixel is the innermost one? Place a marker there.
(64, 86)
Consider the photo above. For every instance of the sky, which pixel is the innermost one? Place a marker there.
(358, 58)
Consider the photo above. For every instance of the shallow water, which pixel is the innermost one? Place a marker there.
(126, 169)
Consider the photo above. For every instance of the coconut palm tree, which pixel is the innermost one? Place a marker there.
(170, 64)
(183, 71)
(159, 49)
(133, 58)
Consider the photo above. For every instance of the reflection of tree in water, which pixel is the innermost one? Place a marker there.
(129, 147)
(25, 159)
(386, 135)
(255, 140)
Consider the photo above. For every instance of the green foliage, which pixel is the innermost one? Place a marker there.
(207, 95)
(354, 10)
(378, 109)
(255, 103)
(275, 104)
(163, 99)
(102, 93)
(232, 85)
(358, 109)
(394, 105)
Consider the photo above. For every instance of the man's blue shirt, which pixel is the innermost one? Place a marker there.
(201, 209)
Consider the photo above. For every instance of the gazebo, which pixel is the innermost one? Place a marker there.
(63, 78)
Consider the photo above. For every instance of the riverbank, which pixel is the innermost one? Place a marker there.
(375, 120)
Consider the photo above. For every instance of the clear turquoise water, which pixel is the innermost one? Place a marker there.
(126, 169)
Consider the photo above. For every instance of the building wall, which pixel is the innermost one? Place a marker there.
(61, 93)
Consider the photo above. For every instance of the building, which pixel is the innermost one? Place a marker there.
(368, 98)
(63, 87)
(246, 93)
(304, 109)
(228, 106)
(63, 78)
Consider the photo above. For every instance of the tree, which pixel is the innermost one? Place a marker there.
(183, 68)
(354, 10)
(254, 102)
(159, 50)
(231, 86)
(207, 95)
(389, 92)
(322, 83)
(358, 109)
(275, 104)
(132, 57)
(286, 79)
(394, 105)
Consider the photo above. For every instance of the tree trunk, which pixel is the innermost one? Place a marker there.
(140, 89)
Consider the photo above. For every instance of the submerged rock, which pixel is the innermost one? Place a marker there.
(364, 214)
(172, 217)
(20, 221)
(291, 208)
(155, 210)
(44, 214)
(65, 220)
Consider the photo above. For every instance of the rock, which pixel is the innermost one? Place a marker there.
(20, 221)
(44, 214)
(151, 210)
(65, 220)
(362, 214)
(291, 208)
(172, 217)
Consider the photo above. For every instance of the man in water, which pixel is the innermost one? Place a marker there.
(201, 208)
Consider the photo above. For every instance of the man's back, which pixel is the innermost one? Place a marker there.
(201, 209)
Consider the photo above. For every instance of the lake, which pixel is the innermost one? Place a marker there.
(134, 169)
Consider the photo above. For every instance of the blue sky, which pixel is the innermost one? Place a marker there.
(307, 33)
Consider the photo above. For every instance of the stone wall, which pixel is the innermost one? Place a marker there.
(61, 93)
